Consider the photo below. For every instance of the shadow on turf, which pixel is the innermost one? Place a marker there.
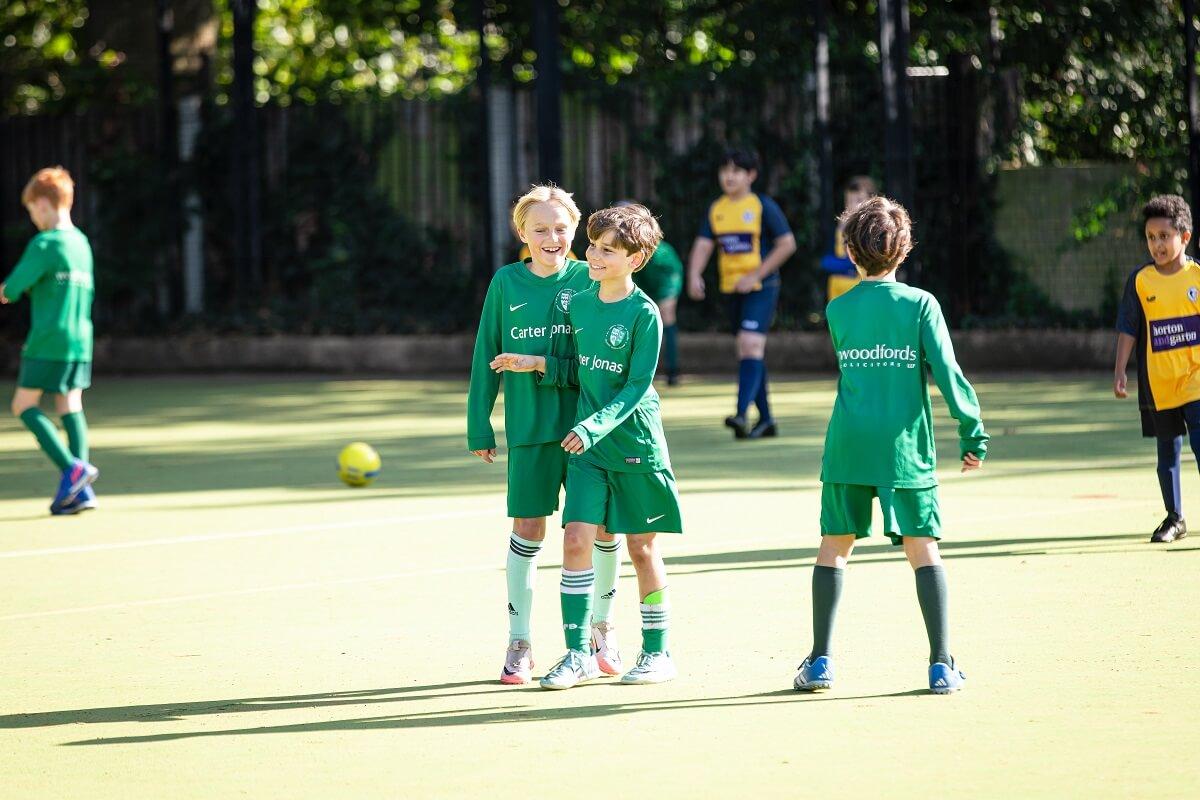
(171, 712)
(727, 561)
(490, 715)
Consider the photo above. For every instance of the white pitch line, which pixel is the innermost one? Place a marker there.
(216, 537)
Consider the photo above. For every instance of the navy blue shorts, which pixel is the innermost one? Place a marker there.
(1171, 422)
(753, 311)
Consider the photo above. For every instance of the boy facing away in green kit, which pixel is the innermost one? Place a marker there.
(619, 476)
(56, 272)
(525, 312)
(880, 438)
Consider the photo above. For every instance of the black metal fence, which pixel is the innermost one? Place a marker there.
(372, 214)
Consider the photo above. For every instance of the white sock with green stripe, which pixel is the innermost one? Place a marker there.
(606, 559)
(520, 571)
(576, 598)
(656, 612)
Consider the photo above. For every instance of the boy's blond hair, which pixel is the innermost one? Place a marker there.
(878, 235)
(53, 184)
(634, 228)
(544, 193)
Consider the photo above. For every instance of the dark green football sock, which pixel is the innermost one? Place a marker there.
(47, 436)
(826, 590)
(575, 594)
(931, 593)
(75, 424)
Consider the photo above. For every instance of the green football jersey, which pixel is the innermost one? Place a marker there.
(881, 432)
(56, 271)
(523, 313)
(663, 275)
(616, 354)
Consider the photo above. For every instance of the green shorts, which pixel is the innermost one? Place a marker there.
(536, 473)
(661, 287)
(623, 502)
(58, 377)
(846, 508)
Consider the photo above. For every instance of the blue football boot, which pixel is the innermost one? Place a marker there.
(945, 678)
(815, 675)
(86, 501)
(75, 478)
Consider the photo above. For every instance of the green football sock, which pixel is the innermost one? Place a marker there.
(576, 598)
(931, 594)
(75, 424)
(520, 570)
(826, 590)
(47, 436)
(606, 559)
(656, 611)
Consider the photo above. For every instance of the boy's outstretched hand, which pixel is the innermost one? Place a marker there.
(1119, 386)
(3, 299)
(573, 444)
(514, 362)
(488, 455)
(970, 462)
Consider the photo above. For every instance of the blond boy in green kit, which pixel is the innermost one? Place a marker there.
(56, 272)
(879, 444)
(620, 471)
(525, 312)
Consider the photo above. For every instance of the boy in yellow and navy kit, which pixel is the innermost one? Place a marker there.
(1159, 316)
(55, 271)
(843, 275)
(752, 240)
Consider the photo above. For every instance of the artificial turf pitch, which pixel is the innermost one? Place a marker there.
(234, 622)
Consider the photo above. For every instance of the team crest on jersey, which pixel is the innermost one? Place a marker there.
(748, 216)
(617, 337)
(1193, 293)
(564, 299)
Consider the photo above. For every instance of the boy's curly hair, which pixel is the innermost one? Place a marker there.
(878, 235)
(634, 228)
(1169, 206)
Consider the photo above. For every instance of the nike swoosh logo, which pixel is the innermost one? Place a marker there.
(654, 519)
(514, 308)
(574, 330)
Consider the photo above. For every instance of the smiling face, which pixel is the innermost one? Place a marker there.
(1165, 242)
(548, 231)
(608, 261)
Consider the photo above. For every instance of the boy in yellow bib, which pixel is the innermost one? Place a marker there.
(1160, 317)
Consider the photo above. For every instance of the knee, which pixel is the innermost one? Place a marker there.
(641, 553)
(921, 551)
(751, 345)
(531, 529)
(19, 407)
(576, 545)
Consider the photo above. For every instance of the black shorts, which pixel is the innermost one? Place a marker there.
(1171, 422)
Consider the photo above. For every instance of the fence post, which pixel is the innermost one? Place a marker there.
(548, 88)
(246, 223)
(1193, 101)
(825, 226)
(897, 104)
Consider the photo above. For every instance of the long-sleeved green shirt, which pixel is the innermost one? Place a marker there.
(56, 271)
(616, 353)
(523, 313)
(881, 432)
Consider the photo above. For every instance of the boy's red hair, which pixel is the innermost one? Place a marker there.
(53, 184)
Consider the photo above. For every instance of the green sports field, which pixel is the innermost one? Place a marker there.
(234, 622)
